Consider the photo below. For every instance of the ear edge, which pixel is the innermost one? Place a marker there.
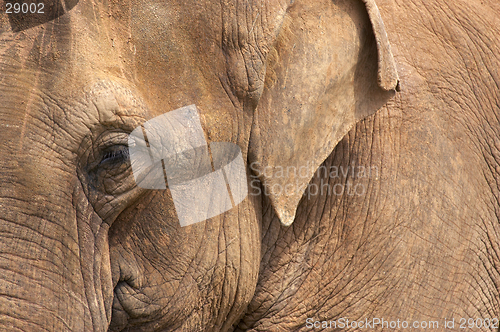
(388, 78)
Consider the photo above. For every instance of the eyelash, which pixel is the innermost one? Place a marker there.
(115, 156)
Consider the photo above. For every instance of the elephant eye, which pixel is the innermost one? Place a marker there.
(115, 155)
(104, 162)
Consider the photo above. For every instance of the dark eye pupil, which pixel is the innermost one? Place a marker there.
(115, 156)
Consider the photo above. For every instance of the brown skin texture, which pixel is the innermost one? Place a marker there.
(421, 242)
(72, 89)
(82, 248)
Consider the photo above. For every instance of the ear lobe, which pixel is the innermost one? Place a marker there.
(330, 67)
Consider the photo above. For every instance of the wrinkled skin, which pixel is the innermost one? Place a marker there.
(82, 248)
(422, 244)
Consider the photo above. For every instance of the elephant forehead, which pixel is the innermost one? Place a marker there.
(174, 52)
(63, 120)
(82, 70)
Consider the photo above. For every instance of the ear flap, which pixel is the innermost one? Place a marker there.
(322, 77)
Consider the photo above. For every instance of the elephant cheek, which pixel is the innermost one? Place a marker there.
(130, 303)
(94, 262)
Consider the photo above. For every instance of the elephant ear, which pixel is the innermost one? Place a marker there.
(330, 67)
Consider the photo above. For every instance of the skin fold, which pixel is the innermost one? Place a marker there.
(292, 83)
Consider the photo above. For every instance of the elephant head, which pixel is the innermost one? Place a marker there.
(83, 247)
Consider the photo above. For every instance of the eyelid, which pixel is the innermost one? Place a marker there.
(99, 145)
(121, 151)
